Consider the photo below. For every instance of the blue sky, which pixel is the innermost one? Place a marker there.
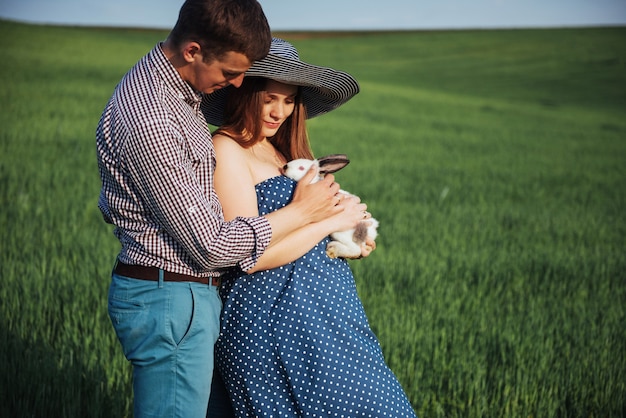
(336, 14)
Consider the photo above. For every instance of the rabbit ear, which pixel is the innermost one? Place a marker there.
(332, 163)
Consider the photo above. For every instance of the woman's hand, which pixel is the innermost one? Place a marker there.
(367, 247)
(317, 201)
(355, 212)
(352, 212)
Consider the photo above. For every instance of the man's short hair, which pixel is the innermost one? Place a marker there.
(222, 26)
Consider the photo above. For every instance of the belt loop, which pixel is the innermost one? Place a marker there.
(161, 274)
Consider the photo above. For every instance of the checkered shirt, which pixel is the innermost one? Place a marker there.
(156, 162)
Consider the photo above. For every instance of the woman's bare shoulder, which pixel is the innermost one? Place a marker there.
(225, 144)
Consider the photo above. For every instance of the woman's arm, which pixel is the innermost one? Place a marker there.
(233, 180)
(290, 248)
(298, 243)
(234, 186)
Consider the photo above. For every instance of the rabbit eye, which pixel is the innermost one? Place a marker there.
(301, 168)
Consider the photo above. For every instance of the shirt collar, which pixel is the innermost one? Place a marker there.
(172, 78)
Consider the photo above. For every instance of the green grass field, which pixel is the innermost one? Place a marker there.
(494, 160)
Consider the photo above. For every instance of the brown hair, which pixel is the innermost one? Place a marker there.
(221, 26)
(242, 115)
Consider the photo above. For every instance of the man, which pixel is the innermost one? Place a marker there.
(156, 162)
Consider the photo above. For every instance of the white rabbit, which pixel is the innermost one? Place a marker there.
(346, 244)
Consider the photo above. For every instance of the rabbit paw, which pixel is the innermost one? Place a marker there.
(336, 249)
(332, 250)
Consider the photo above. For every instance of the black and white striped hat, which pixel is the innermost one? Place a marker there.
(323, 89)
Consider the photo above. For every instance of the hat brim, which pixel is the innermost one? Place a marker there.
(323, 89)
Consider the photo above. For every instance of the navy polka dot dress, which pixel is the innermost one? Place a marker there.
(295, 341)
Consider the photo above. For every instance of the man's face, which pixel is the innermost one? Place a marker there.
(219, 73)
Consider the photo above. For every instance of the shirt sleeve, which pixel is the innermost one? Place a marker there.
(184, 205)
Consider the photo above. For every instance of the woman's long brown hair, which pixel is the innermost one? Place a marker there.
(242, 121)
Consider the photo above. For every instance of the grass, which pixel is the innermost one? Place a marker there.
(495, 161)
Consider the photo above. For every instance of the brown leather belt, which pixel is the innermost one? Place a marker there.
(135, 271)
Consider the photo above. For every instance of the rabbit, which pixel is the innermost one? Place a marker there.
(345, 244)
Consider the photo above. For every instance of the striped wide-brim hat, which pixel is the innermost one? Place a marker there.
(323, 89)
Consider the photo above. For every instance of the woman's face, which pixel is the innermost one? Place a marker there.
(279, 101)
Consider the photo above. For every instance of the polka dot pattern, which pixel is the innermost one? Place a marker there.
(295, 341)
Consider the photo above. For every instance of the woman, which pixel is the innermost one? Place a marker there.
(295, 340)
